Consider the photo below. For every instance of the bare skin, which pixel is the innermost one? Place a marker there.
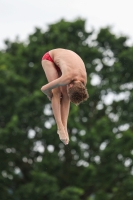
(72, 69)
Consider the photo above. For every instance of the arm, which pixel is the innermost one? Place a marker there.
(46, 89)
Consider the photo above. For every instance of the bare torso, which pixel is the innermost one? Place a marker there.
(70, 64)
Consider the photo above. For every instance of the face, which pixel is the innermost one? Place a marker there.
(69, 86)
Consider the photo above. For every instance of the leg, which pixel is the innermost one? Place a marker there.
(52, 74)
(56, 106)
(65, 106)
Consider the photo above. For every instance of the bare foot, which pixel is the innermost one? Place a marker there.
(63, 136)
(67, 135)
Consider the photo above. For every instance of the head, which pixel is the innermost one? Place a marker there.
(77, 92)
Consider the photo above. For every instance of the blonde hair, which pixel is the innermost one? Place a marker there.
(78, 93)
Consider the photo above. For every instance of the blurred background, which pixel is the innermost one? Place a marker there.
(98, 162)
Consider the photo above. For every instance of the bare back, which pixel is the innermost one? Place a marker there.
(70, 64)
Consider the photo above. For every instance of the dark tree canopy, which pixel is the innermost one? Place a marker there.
(98, 162)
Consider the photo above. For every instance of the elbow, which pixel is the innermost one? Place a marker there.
(42, 88)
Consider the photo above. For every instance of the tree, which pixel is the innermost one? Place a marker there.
(97, 164)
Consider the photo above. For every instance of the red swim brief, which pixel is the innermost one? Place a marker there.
(47, 56)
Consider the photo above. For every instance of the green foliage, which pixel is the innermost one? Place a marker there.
(98, 162)
(42, 186)
(71, 193)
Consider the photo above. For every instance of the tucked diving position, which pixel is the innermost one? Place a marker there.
(67, 79)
